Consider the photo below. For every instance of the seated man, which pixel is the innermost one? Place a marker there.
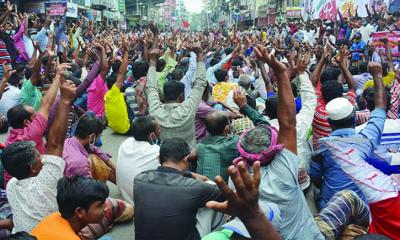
(279, 172)
(216, 152)
(223, 87)
(115, 106)
(380, 190)
(176, 114)
(167, 199)
(137, 154)
(28, 125)
(81, 201)
(82, 157)
(36, 175)
(328, 171)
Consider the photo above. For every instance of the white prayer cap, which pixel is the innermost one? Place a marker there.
(339, 108)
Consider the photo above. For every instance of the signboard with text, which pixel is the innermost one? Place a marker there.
(55, 7)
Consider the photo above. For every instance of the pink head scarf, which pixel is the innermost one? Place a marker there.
(263, 157)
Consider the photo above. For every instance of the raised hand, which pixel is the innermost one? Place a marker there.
(9, 6)
(8, 72)
(153, 28)
(375, 68)
(244, 202)
(154, 54)
(270, 59)
(302, 63)
(239, 97)
(63, 43)
(62, 67)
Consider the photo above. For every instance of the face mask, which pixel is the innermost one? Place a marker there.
(10, 32)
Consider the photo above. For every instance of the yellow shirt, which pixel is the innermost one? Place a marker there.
(54, 227)
(221, 90)
(387, 81)
(264, 36)
(116, 111)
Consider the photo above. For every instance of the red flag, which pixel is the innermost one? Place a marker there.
(185, 24)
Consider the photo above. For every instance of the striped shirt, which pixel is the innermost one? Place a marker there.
(393, 112)
(321, 127)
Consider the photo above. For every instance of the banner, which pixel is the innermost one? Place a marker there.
(293, 12)
(36, 7)
(393, 37)
(72, 10)
(326, 9)
(55, 7)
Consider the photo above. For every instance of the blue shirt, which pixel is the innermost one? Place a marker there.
(334, 179)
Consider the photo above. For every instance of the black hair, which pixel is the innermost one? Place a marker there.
(331, 89)
(330, 74)
(18, 158)
(294, 89)
(220, 75)
(142, 127)
(79, 192)
(228, 50)
(369, 96)
(216, 124)
(385, 69)
(173, 89)
(251, 101)
(371, 237)
(214, 61)
(257, 140)
(20, 236)
(139, 69)
(354, 70)
(236, 62)
(271, 107)
(28, 73)
(111, 79)
(347, 122)
(178, 73)
(17, 115)
(88, 125)
(363, 67)
(160, 65)
(173, 149)
(116, 65)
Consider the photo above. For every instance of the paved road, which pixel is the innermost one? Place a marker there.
(111, 144)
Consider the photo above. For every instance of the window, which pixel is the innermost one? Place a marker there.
(293, 3)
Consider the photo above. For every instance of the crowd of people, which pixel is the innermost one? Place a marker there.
(288, 131)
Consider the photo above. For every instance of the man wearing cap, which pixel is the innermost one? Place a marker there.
(341, 117)
(350, 150)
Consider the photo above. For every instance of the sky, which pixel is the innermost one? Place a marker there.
(193, 6)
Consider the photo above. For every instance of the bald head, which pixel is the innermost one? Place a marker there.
(216, 123)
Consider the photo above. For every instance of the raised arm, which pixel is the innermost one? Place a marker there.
(124, 65)
(5, 15)
(21, 30)
(286, 107)
(103, 61)
(389, 55)
(265, 77)
(58, 130)
(153, 96)
(245, 204)
(6, 76)
(380, 94)
(342, 60)
(316, 74)
(36, 68)
(51, 94)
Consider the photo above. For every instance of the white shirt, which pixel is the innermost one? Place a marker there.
(134, 157)
(10, 98)
(303, 120)
(34, 198)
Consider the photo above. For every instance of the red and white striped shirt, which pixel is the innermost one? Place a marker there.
(320, 125)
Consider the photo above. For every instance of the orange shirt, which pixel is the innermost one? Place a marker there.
(54, 227)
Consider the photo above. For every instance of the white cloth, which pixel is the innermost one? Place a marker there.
(34, 198)
(134, 157)
(303, 120)
(10, 98)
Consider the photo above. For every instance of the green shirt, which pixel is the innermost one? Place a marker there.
(215, 154)
(31, 95)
